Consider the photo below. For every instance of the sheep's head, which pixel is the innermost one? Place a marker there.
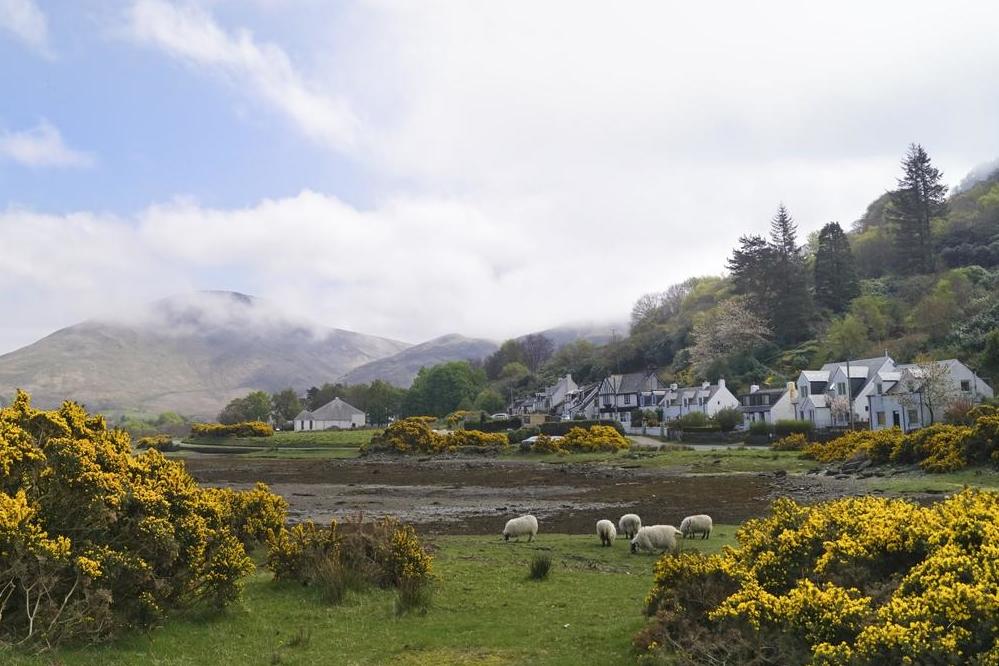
(634, 546)
(506, 537)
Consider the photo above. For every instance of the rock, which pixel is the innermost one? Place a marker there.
(781, 473)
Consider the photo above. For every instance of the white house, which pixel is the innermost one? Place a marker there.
(903, 403)
(845, 384)
(334, 414)
(767, 405)
(619, 395)
(582, 403)
(707, 399)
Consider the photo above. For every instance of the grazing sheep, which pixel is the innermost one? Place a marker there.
(656, 538)
(699, 524)
(606, 532)
(522, 526)
(629, 525)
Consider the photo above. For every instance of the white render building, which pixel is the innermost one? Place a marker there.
(903, 403)
(334, 414)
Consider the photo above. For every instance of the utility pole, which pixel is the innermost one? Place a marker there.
(849, 390)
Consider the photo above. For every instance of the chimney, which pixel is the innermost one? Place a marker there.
(673, 387)
(706, 385)
(754, 388)
(721, 382)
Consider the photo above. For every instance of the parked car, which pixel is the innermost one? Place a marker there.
(501, 415)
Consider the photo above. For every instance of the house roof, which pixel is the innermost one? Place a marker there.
(336, 410)
(631, 382)
(816, 375)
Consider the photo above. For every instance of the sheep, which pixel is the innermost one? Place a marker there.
(629, 525)
(606, 532)
(699, 524)
(657, 537)
(522, 526)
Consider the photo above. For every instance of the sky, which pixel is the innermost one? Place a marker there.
(415, 169)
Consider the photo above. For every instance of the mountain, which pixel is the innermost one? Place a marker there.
(598, 334)
(190, 354)
(400, 369)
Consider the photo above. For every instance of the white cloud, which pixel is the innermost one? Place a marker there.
(26, 21)
(42, 146)
(191, 34)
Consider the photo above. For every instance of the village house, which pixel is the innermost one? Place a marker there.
(619, 395)
(826, 397)
(907, 403)
(767, 405)
(335, 414)
(708, 399)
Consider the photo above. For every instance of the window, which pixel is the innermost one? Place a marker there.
(627, 399)
(881, 418)
(881, 388)
(745, 400)
(841, 388)
(913, 416)
(766, 399)
(803, 389)
(966, 385)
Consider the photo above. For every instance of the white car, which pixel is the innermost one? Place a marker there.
(501, 415)
(534, 438)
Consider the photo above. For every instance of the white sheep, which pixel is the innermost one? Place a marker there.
(522, 526)
(606, 532)
(629, 525)
(699, 524)
(656, 538)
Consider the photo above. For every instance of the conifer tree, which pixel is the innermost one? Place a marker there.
(836, 282)
(791, 307)
(920, 197)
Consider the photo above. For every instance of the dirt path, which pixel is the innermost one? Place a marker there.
(478, 495)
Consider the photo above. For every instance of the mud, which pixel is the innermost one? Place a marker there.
(478, 496)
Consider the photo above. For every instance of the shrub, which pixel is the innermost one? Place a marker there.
(596, 438)
(413, 595)
(760, 428)
(546, 444)
(94, 540)
(852, 581)
(793, 442)
(563, 427)
(158, 442)
(385, 553)
(785, 427)
(245, 429)
(540, 567)
(692, 420)
(728, 419)
(414, 435)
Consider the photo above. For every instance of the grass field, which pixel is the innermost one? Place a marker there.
(290, 439)
(485, 611)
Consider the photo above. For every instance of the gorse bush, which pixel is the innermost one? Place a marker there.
(158, 442)
(94, 539)
(245, 429)
(583, 440)
(793, 442)
(415, 435)
(936, 448)
(562, 428)
(385, 553)
(853, 581)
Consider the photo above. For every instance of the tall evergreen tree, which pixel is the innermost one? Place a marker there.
(920, 197)
(791, 305)
(836, 282)
(750, 268)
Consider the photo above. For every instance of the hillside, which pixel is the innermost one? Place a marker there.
(190, 354)
(400, 369)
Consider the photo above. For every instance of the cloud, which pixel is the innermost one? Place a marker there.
(28, 23)
(42, 146)
(191, 35)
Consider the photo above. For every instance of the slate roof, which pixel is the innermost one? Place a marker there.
(335, 410)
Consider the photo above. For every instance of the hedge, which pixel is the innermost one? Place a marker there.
(785, 427)
(245, 429)
(499, 425)
(563, 427)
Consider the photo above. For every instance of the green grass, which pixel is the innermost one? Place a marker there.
(921, 482)
(485, 611)
(290, 439)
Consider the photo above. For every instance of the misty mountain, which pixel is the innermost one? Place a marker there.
(598, 334)
(401, 369)
(190, 354)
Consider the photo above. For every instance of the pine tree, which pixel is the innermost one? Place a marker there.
(920, 197)
(791, 307)
(836, 281)
(750, 268)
